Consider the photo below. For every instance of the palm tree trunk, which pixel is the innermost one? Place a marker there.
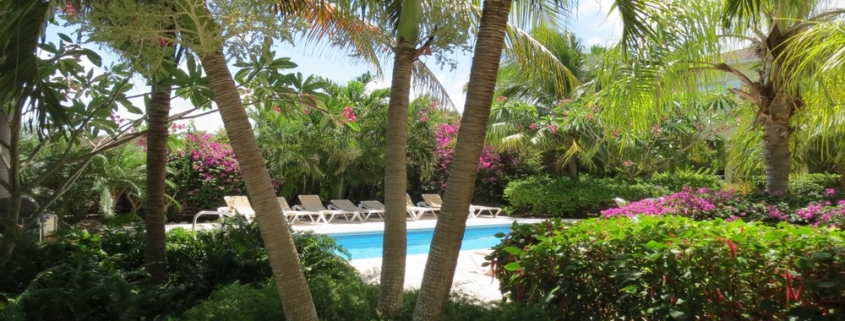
(776, 137)
(451, 223)
(6, 138)
(290, 281)
(395, 184)
(155, 253)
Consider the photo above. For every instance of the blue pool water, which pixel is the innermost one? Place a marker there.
(369, 245)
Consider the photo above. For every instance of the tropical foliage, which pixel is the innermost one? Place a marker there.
(86, 276)
(673, 268)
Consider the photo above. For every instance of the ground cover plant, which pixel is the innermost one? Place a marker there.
(671, 267)
(99, 276)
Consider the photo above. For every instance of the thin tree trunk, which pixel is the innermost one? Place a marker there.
(5, 137)
(572, 166)
(776, 138)
(12, 234)
(395, 184)
(155, 253)
(290, 281)
(451, 223)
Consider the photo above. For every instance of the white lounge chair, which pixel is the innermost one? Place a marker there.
(434, 201)
(239, 205)
(413, 211)
(292, 215)
(421, 208)
(313, 203)
(363, 213)
(620, 202)
(479, 258)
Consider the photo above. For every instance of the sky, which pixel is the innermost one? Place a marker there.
(589, 21)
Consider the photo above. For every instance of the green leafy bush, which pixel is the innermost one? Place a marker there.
(348, 299)
(802, 184)
(654, 268)
(87, 276)
(565, 197)
(675, 181)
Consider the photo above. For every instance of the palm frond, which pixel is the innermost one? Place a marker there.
(534, 13)
(637, 28)
(425, 82)
(537, 60)
(343, 30)
(22, 83)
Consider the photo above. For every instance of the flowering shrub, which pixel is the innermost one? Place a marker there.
(492, 166)
(673, 268)
(703, 203)
(204, 171)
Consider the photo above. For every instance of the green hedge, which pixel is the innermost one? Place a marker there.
(675, 181)
(658, 268)
(565, 197)
(801, 184)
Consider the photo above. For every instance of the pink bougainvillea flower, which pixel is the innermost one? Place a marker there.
(69, 9)
(349, 114)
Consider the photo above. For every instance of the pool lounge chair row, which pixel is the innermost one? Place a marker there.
(311, 207)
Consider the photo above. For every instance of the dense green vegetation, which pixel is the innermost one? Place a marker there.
(100, 275)
(221, 274)
(660, 268)
(732, 160)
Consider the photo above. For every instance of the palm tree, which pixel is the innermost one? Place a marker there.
(451, 224)
(203, 35)
(155, 240)
(682, 44)
(395, 171)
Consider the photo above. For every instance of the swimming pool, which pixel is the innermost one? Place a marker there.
(369, 245)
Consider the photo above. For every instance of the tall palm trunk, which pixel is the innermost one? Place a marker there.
(395, 183)
(395, 169)
(777, 107)
(155, 253)
(776, 138)
(290, 281)
(451, 223)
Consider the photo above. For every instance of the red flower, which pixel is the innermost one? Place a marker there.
(732, 246)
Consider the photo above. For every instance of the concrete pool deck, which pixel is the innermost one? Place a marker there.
(466, 280)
